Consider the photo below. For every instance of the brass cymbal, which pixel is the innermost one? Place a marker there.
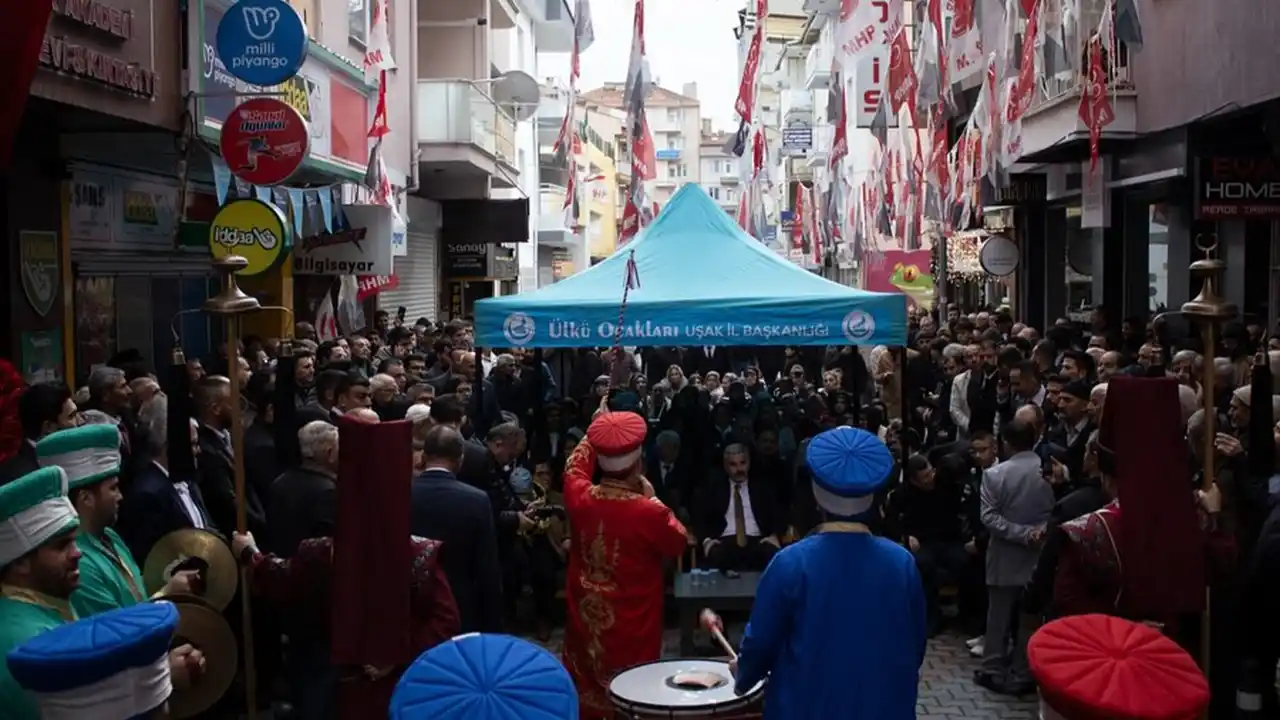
(202, 627)
(191, 549)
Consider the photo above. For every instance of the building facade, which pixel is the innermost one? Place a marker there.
(1186, 167)
(675, 120)
(572, 239)
(477, 146)
(92, 194)
(720, 169)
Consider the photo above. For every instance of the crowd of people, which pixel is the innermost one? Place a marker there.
(1004, 487)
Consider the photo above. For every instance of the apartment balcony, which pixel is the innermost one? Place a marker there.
(463, 135)
(817, 65)
(797, 106)
(552, 25)
(553, 231)
(729, 179)
(1052, 131)
(822, 136)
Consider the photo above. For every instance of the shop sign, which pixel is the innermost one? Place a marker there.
(344, 114)
(38, 256)
(998, 256)
(251, 229)
(796, 138)
(106, 24)
(364, 248)
(91, 211)
(264, 141)
(1238, 187)
(262, 42)
(466, 260)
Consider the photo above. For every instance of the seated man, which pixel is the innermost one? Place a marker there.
(925, 515)
(739, 516)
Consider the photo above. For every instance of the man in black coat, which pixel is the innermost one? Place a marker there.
(42, 409)
(458, 515)
(158, 502)
(212, 397)
(302, 500)
(739, 516)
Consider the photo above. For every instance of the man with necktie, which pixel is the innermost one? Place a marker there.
(739, 516)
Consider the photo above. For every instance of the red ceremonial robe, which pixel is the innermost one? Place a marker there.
(1090, 573)
(301, 585)
(614, 583)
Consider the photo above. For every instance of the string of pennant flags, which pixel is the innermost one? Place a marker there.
(312, 208)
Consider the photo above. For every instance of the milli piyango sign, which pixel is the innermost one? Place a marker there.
(1238, 187)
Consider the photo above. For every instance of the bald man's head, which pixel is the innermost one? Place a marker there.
(364, 415)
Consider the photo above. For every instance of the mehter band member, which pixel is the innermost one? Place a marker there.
(621, 534)
(112, 666)
(841, 600)
(1100, 667)
(485, 677)
(109, 575)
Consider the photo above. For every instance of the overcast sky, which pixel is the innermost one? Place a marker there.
(686, 40)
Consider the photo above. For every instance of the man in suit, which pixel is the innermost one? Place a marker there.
(158, 503)
(1073, 431)
(212, 398)
(301, 500)
(739, 516)
(669, 477)
(1016, 505)
(43, 408)
(458, 515)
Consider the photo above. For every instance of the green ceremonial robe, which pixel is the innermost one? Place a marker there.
(22, 617)
(109, 578)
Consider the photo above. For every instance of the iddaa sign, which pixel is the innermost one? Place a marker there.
(262, 42)
(251, 229)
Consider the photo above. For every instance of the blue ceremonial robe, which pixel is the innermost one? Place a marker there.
(838, 627)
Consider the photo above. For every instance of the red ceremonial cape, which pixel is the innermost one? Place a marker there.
(1161, 544)
(372, 556)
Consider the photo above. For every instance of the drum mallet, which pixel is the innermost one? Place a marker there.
(711, 623)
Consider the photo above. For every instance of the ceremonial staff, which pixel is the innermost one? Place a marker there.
(231, 304)
(1211, 310)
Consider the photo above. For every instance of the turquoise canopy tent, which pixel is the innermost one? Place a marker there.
(702, 281)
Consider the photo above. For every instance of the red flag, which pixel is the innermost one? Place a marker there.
(903, 83)
(797, 219)
(380, 127)
(1095, 106)
(1024, 86)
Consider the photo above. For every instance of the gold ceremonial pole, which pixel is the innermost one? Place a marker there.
(1211, 310)
(230, 304)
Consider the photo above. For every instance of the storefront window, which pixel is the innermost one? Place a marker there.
(1158, 257)
(95, 302)
(1079, 267)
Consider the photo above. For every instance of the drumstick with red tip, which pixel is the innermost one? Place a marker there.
(711, 623)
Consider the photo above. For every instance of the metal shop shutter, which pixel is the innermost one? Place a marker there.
(417, 272)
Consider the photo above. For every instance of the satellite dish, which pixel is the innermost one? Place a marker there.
(518, 92)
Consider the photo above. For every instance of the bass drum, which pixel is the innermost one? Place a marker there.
(683, 689)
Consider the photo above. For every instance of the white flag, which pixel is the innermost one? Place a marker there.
(377, 55)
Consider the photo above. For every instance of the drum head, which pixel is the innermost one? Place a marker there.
(679, 687)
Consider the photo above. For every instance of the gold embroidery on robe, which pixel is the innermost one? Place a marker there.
(595, 609)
